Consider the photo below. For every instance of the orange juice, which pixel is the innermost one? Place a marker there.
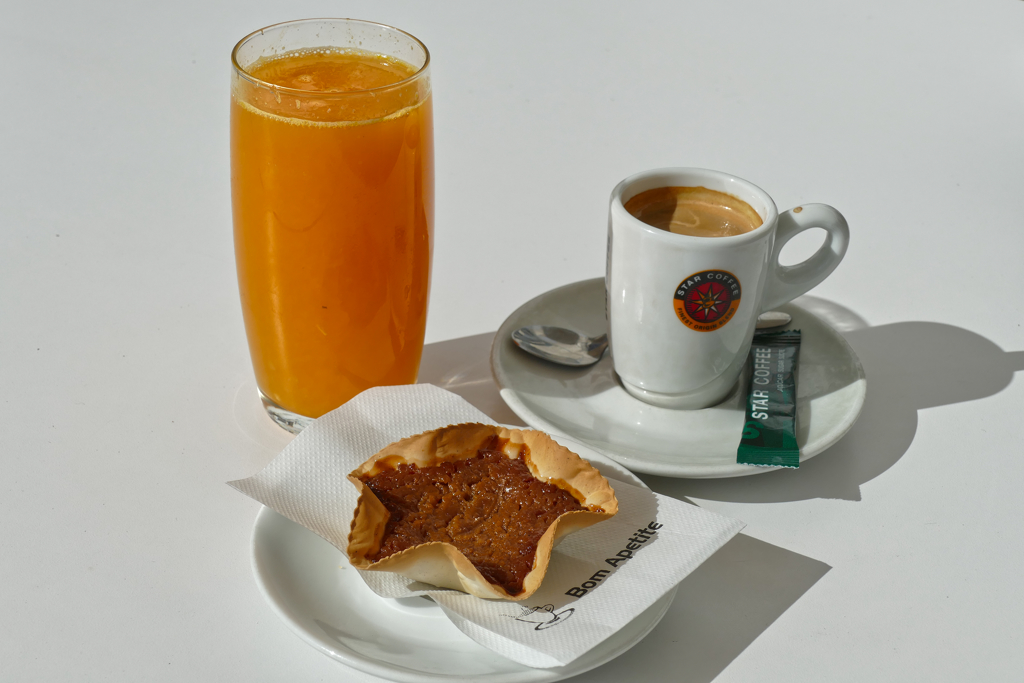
(333, 196)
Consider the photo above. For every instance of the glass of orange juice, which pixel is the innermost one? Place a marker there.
(332, 188)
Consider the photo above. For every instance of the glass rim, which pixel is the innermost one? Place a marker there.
(320, 94)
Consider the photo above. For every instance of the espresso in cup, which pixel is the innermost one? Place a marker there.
(695, 211)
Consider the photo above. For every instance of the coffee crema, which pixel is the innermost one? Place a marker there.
(694, 211)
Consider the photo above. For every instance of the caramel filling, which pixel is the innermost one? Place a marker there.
(489, 506)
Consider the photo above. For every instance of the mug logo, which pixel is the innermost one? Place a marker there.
(707, 300)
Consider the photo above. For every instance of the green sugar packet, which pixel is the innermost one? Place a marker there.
(769, 431)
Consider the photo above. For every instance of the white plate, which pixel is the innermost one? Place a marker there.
(590, 405)
(312, 587)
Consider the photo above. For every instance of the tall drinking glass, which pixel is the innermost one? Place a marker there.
(332, 188)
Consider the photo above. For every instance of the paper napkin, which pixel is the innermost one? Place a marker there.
(599, 578)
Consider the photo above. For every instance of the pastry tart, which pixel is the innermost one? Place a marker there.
(473, 507)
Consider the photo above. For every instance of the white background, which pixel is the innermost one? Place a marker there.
(128, 398)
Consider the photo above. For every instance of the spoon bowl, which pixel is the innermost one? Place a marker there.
(560, 345)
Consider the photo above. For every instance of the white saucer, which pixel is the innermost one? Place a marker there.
(312, 587)
(590, 405)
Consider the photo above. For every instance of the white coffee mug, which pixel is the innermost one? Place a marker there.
(668, 351)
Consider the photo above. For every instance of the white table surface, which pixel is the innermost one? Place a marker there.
(128, 398)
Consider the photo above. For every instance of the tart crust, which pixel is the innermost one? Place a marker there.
(441, 563)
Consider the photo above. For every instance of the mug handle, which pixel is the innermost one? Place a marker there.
(785, 283)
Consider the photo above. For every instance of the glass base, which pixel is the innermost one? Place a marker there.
(286, 419)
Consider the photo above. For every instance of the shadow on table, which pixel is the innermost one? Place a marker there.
(721, 608)
(910, 366)
(463, 367)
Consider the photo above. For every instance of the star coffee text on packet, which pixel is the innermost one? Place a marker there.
(769, 431)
